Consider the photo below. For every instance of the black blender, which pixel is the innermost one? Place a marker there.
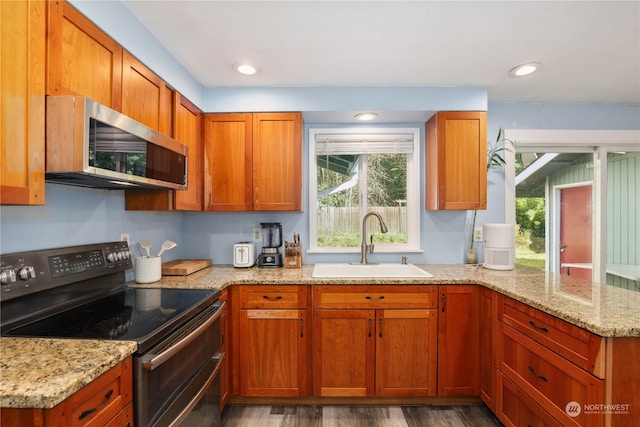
(270, 255)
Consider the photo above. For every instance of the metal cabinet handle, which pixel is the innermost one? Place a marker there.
(380, 322)
(92, 410)
(267, 297)
(444, 301)
(301, 328)
(542, 377)
(540, 328)
(381, 297)
(370, 327)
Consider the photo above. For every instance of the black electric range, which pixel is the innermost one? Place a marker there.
(80, 292)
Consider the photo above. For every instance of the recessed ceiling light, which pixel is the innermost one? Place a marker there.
(525, 69)
(245, 69)
(365, 117)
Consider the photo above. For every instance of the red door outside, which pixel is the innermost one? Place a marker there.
(575, 232)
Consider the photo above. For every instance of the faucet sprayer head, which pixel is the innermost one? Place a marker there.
(383, 227)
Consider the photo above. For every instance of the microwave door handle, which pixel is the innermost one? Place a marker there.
(193, 402)
(159, 359)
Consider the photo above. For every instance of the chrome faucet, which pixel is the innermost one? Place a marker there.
(364, 247)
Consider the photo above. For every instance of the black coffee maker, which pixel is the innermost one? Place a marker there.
(270, 255)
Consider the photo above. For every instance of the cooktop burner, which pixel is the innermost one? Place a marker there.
(134, 314)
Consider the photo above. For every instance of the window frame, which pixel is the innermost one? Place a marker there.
(413, 191)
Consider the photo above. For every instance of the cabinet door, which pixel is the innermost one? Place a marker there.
(22, 30)
(406, 345)
(277, 161)
(187, 128)
(459, 341)
(81, 58)
(273, 353)
(488, 335)
(225, 383)
(456, 161)
(228, 153)
(145, 97)
(343, 352)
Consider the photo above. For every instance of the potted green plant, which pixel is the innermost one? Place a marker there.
(495, 158)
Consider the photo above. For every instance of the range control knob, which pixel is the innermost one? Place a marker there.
(112, 257)
(26, 273)
(125, 254)
(7, 276)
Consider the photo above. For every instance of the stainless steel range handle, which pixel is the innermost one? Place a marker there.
(159, 359)
(193, 402)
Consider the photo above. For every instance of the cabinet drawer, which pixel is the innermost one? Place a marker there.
(273, 297)
(99, 401)
(575, 344)
(123, 419)
(549, 379)
(375, 297)
(517, 409)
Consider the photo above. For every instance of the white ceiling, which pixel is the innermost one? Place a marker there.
(590, 50)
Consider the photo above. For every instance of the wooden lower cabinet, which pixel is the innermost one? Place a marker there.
(459, 341)
(106, 401)
(518, 409)
(274, 341)
(488, 336)
(380, 351)
(225, 347)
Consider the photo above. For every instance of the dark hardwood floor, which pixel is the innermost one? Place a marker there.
(358, 416)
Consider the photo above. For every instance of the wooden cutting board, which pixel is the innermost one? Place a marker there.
(184, 267)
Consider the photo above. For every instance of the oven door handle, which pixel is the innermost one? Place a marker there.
(159, 359)
(193, 402)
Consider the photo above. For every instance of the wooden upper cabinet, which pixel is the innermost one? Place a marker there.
(277, 162)
(187, 129)
(456, 161)
(81, 58)
(145, 96)
(253, 162)
(228, 151)
(22, 88)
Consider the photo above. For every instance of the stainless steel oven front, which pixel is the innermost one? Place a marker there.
(177, 382)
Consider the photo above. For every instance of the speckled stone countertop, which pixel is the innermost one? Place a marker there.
(42, 372)
(604, 310)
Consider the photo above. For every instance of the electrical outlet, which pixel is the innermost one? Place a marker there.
(477, 234)
(124, 237)
(257, 234)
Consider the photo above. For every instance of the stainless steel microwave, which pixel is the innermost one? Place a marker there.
(91, 145)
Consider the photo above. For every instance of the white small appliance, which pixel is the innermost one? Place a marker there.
(498, 252)
(243, 254)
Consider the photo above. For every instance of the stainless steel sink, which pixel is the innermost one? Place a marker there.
(368, 270)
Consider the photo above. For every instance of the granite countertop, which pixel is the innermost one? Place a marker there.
(43, 372)
(605, 310)
(40, 373)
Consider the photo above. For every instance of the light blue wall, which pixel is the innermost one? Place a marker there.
(76, 216)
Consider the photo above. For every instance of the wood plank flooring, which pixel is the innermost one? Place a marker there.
(358, 416)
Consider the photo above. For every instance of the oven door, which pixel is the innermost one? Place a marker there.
(176, 382)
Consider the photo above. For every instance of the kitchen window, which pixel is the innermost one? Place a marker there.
(353, 171)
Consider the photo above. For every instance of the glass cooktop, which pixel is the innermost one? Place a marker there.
(143, 315)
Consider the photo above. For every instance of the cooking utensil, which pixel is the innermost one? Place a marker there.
(166, 245)
(146, 245)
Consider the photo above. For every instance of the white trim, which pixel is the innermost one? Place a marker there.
(554, 249)
(413, 188)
